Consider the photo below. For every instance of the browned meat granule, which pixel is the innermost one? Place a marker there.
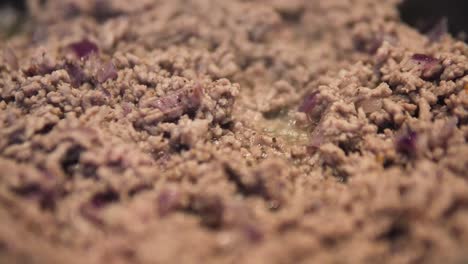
(241, 131)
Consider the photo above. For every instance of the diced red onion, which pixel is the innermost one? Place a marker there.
(104, 9)
(139, 188)
(77, 75)
(47, 200)
(127, 108)
(83, 48)
(406, 142)
(10, 58)
(39, 34)
(316, 140)
(45, 197)
(177, 103)
(448, 129)
(31, 190)
(102, 199)
(451, 124)
(309, 103)
(71, 10)
(423, 58)
(431, 67)
(253, 233)
(91, 214)
(372, 44)
(438, 31)
(168, 200)
(106, 72)
(39, 69)
(210, 208)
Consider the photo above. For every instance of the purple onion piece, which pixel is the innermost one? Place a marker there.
(90, 213)
(39, 69)
(83, 48)
(106, 93)
(210, 208)
(450, 125)
(10, 58)
(190, 99)
(17, 137)
(168, 200)
(45, 197)
(71, 10)
(317, 138)
(106, 72)
(253, 233)
(438, 31)
(309, 103)
(431, 67)
(406, 143)
(47, 200)
(127, 108)
(99, 200)
(31, 190)
(365, 45)
(448, 129)
(423, 58)
(375, 44)
(139, 188)
(371, 44)
(71, 158)
(104, 9)
(39, 34)
(76, 73)
(175, 104)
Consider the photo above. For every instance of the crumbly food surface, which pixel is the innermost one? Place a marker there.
(204, 131)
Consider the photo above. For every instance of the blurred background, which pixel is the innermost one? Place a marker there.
(421, 14)
(424, 14)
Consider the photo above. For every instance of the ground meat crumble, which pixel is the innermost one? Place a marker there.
(251, 131)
